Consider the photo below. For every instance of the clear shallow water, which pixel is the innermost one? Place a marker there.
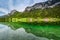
(6, 33)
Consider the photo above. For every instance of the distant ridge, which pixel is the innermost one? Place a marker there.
(43, 5)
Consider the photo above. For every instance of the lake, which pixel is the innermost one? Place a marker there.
(28, 31)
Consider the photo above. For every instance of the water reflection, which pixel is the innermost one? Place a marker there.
(6, 33)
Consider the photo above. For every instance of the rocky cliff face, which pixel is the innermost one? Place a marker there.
(43, 5)
(9, 14)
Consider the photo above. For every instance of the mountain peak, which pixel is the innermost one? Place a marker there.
(13, 11)
(43, 5)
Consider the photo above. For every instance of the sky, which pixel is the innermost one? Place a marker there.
(7, 6)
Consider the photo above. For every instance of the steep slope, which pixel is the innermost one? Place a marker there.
(43, 5)
(48, 12)
(36, 13)
(49, 30)
(53, 12)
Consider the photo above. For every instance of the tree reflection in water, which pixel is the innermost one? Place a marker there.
(6, 33)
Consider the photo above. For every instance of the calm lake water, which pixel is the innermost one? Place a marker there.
(6, 33)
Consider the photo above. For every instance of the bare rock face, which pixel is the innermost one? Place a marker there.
(11, 13)
(43, 5)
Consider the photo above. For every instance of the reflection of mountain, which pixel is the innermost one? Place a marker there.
(47, 31)
(43, 29)
(7, 33)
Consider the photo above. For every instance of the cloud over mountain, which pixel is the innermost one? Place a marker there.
(18, 5)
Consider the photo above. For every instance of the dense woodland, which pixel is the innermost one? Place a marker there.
(48, 12)
(35, 13)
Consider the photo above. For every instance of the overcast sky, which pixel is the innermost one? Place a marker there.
(19, 5)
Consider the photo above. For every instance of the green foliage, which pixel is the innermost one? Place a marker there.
(48, 30)
(15, 15)
(35, 13)
(49, 12)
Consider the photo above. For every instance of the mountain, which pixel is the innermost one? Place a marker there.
(35, 11)
(9, 14)
(43, 5)
(13, 13)
(49, 7)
